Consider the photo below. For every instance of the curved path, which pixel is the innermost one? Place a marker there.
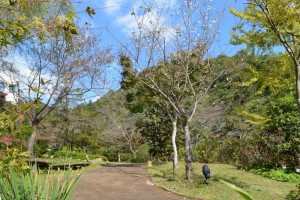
(119, 181)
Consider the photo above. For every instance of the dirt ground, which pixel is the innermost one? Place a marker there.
(119, 181)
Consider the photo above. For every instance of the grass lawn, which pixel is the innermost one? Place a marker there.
(258, 187)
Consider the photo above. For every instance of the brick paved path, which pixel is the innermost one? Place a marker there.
(119, 181)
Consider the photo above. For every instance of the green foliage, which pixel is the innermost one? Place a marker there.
(256, 151)
(12, 127)
(111, 156)
(14, 158)
(243, 193)
(273, 23)
(39, 151)
(124, 157)
(257, 186)
(285, 123)
(28, 185)
(206, 151)
(157, 130)
(75, 155)
(23, 19)
(142, 155)
(6, 123)
(128, 73)
(261, 110)
(294, 194)
(104, 158)
(278, 174)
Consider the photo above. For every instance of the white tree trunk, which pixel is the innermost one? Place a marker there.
(119, 157)
(175, 157)
(188, 158)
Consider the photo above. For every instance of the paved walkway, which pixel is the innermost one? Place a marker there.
(119, 181)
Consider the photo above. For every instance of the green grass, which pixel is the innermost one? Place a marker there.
(279, 175)
(257, 186)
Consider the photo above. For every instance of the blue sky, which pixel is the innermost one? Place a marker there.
(115, 16)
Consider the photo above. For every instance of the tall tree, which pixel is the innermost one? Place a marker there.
(173, 45)
(155, 128)
(140, 96)
(274, 23)
(56, 69)
(118, 121)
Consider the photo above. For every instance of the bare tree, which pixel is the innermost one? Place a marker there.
(120, 121)
(56, 69)
(171, 46)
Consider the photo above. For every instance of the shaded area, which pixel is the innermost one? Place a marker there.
(43, 164)
(119, 181)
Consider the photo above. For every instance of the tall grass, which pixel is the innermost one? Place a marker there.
(33, 186)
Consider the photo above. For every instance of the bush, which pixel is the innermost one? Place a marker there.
(112, 157)
(126, 157)
(142, 155)
(255, 151)
(39, 151)
(244, 153)
(103, 158)
(77, 155)
(23, 186)
(279, 175)
(206, 151)
(294, 194)
(16, 159)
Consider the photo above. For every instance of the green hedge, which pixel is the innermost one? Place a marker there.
(77, 155)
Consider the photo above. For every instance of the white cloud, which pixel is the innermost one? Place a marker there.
(121, 10)
(113, 6)
(127, 22)
(148, 22)
(27, 77)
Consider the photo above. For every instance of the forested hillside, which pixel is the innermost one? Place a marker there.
(249, 118)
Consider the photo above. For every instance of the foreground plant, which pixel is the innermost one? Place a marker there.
(31, 186)
(242, 192)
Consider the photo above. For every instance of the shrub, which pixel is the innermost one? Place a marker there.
(77, 155)
(142, 155)
(251, 152)
(126, 157)
(39, 151)
(112, 157)
(279, 175)
(23, 186)
(246, 154)
(16, 159)
(104, 158)
(206, 151)
(294, 194)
